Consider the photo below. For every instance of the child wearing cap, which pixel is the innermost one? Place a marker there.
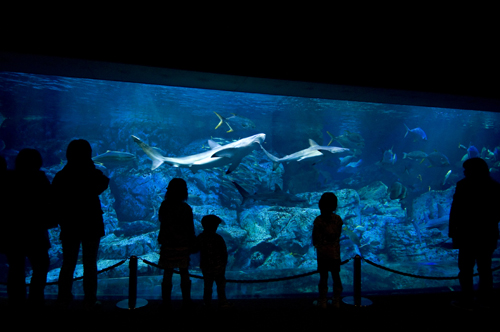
(326, 239)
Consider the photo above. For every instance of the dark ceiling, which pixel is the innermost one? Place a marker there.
(441, 76)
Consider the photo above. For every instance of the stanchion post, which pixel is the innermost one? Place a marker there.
(357, 300)
(132, 283)
(132, 302)
(357, 280)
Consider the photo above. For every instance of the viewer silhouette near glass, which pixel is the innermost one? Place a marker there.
(213, 260)
(176, 238)
(3, 197)
(474, 218)
(28, 219)
(326, 238)
(76, 189)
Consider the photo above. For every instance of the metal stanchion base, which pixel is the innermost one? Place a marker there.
(363, 302)
(124, 304)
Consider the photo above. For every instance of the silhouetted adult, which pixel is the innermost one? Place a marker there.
(28, 220)
(3, 205)
(177, 239)
(77, 188)
(474, 218)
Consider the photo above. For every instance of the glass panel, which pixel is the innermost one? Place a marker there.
(394, 171)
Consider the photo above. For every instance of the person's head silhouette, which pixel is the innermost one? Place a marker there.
(78, 150)
(327, 203)
(28, 160)
(177, 190)
(476, 168)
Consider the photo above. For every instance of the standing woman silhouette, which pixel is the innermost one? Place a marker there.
(76, 189)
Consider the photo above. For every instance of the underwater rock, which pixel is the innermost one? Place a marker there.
(375, 191)
(348, 206)
(370, 207)
(138, 196)
(109, 214)
(255, 222)
(112, 247)
(279, 261)
(229, 217)
(232, 235)
(427, 203)
(257, 259)
(128, 229)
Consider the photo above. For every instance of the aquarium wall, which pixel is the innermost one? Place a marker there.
(393, 168)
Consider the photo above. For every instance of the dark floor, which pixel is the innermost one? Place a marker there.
(390, 311)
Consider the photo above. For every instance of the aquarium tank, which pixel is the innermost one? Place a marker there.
(393, 168)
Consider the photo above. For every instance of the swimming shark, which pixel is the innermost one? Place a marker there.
(217, 156)
(113, 158)
(313, 154)
(276, 197)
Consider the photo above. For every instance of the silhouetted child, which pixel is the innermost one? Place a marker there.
(213, 260)
(326, 239)
(177, 240)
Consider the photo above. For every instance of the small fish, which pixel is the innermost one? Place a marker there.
(235, 120)
(389, 157)
(354, 137)
(415, 155)
(352, 236)
(417, 133)
(354, 164)
(420, 177)
(487, 154)
(397, 191)
(437, 159)
(346, 160)
(472, 152)
(446, 177)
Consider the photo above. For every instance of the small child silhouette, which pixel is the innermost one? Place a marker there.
(213, 260)
(326, 238)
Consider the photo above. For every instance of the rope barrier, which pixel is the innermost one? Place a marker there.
(98, 272)
(80, 278)
(415, 275)
(276, 279)
(248, 281)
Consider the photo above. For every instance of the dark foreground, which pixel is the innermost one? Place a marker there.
(390, 311)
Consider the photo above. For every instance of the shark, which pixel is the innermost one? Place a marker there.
(217, 156)
(276, 197)
(313, 154)
(113, 158)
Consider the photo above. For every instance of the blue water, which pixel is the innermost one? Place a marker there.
(265, 238)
